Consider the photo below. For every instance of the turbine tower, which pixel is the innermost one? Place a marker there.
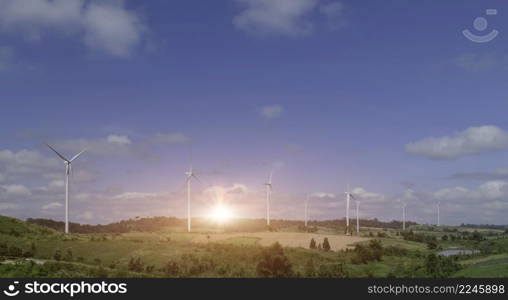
(357, 216)
(306, 209)
(268, 196)
(68, 170)
(349, 196)
(438, 214)
(190, 174)
(403, 216)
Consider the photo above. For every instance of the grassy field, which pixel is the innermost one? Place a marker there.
(286, 239)
(29, 250)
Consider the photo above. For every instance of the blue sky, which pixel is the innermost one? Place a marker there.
(329, 93)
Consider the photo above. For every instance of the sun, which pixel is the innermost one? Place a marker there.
(221, 214)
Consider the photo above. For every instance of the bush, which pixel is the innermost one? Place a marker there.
(274, 263)
(136, 265)
(68, 255)
(326, 245)
(171, 268)
(440, 266)
(58, 255)
(312, 244)
(431, 245)
(15, 251)
(332, 271)
(367, 253)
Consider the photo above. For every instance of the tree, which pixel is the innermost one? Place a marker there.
(274, 263)
(326, 245)
(312, 244)
(136, 265)
(68, 255)
(431, 245)
(171, 268)
(319, 247)
(58, 255)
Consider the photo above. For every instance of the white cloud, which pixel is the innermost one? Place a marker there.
(103, 25)
(170, 138)
(134, 195)
(119, 139)
(294, 18)
(281, 17)
(109, 26)
(111, 145)
(271, 111)
(473, 140)
(499, 174)
(25, 162)
(481, 62)
(52, 205)
(322, 195)
(14, 190)
(334, 12)
(363, 194)
(8, 206)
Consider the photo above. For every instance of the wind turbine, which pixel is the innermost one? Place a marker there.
(357, 216)
(438, 216)
(68, 169)
(404, 216)
(349, 195)
(190, 174)
(306, 208)
(268, 196)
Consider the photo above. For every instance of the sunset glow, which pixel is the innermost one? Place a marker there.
(221, 214)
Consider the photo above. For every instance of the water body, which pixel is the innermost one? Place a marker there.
(502, 261)
(457, 252)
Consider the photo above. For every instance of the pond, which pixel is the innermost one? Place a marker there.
(457, 252)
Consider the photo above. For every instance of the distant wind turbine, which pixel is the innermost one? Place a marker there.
(404, 216)
(268, 196)
(349, 196)
(306, 208)
(68, 170)
(438, 214)
(358, 216)
(190, 174)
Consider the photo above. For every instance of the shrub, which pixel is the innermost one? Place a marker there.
(58, 255)
(136, 265)
(274, 263)
(171, 268)
(326, 245)
(312, 244)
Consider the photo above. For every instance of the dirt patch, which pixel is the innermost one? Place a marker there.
(287, 239)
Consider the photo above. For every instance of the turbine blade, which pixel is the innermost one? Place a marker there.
(199, 180)
(60, 155)
(270, 178)
(77, 155)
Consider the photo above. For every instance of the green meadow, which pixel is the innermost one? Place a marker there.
(29, 250)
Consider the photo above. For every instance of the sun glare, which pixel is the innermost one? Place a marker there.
(221, 214)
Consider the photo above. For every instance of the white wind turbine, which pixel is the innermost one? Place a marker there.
(438, 214)
(358, 216)
(68, 170)
(306, 208)
(349, 196)
(268, 196)
(190, 174)
(404, 215)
